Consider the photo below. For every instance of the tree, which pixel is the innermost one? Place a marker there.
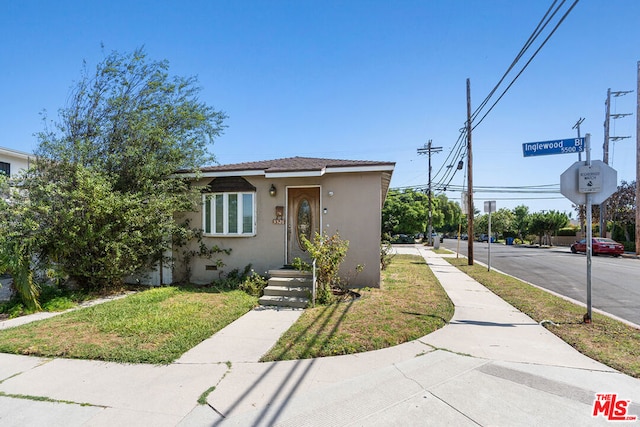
(134, 124)
(405, 212)
(520, 219)
(101, 193)
(622, 209)
(544, 224)
(408, 212)
(18, 238)
(451, 213)
(501, 222)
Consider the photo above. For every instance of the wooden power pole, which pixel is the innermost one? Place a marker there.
(428, 149)
(469, 179)
(638, 164)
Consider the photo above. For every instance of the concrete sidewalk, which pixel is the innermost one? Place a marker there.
(491, 365)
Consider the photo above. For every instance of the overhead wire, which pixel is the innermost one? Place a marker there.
(456, 152)
(527, 64)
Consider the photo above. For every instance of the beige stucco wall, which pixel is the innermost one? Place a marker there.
(353, 211)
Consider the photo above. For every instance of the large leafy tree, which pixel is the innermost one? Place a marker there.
(501, 222)
(544, 224)
(520, 220)
(405, 212)
(622, 209)
(408, 212)
(101, 197)
(133, 123)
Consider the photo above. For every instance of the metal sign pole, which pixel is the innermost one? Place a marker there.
(489, 255)
(587, 317)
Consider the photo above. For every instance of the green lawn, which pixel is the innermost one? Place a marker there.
(410, 304)
(159, 325)
(154, 326)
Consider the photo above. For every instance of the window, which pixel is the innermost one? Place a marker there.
(5, 168)
(229, 214)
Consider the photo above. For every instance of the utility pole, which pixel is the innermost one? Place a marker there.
(469, 179)
(580, 207)
(428, 149)
(605, 148)
(638, 164)
(605, 159)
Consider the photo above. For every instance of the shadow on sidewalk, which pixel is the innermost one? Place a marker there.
(277, 410)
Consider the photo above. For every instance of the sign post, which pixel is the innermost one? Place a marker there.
(590, 183)
(489, 206)
(588, 201)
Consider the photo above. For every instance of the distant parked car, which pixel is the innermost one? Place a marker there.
(599, 245)
(485, 238)
(402, 238)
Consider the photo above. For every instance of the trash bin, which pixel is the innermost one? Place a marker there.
(509, 240)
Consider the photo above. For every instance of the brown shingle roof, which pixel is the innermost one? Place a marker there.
(295, 164)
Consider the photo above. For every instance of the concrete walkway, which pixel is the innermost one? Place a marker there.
(491, 365)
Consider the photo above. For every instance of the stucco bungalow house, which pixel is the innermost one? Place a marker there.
(260, 210)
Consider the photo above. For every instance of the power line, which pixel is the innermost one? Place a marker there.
(529, 61)
(534, 35)
(544, 22)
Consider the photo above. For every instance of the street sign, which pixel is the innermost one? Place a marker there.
(589, 179)
(572, 186)
(490, 206)
(557, 146)
(464, 198)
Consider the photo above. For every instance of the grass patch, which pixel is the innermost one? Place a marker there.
(154, 326)
(45, 399)
(442, 251)
(606, 340)
(410, 304)
(52, 299)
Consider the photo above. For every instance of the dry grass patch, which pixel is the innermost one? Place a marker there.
(410, 304)
(606, 340)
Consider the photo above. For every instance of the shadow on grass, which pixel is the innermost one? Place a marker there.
(425, 315)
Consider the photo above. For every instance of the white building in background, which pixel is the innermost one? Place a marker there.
(12, 161)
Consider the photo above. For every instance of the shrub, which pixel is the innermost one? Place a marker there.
(234, 278)
(386, 254)
(254, 284)
(568, 231)
(329, 253)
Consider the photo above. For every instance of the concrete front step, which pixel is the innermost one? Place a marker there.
(291, 281)
(289, 272)
(284, 301)
(288, 290)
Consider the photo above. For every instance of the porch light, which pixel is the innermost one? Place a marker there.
(272, 191)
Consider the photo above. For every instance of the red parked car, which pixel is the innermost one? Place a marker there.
(599, 245)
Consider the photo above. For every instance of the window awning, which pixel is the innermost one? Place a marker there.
(225, 184)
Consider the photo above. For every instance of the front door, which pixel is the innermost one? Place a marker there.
(303, 219)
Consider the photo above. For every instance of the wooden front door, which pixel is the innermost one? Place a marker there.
(303, 219)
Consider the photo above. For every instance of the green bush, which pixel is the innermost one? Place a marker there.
(386, 254)
(254, 284)
(329, 253)
(568, 231)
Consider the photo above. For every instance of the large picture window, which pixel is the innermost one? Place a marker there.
(229, 214)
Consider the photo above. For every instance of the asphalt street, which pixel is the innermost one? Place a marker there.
(615, 282)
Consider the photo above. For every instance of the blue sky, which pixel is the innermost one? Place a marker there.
(353, 79)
